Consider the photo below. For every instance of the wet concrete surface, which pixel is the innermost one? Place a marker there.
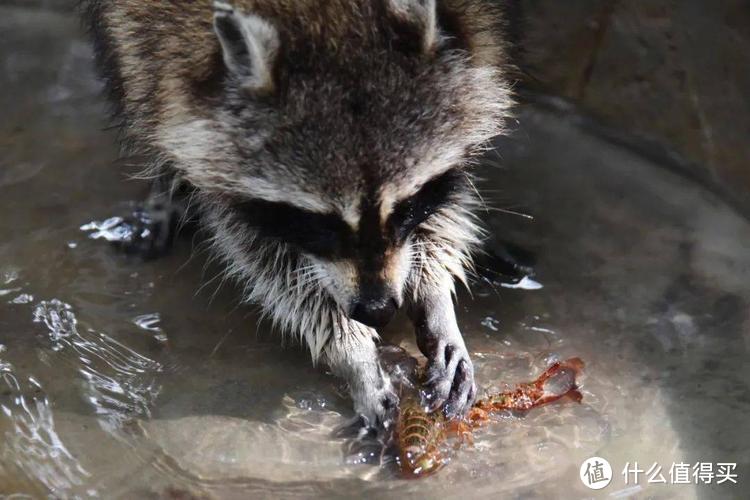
(677, 73)
(119, 380)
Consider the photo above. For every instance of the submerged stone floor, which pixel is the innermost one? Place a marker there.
(120, 381)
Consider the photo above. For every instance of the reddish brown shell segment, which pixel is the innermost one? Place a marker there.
(419, 437)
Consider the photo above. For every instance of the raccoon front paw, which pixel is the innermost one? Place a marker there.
(153, 232)
(377, 407)
(142, 232)
(450, 381)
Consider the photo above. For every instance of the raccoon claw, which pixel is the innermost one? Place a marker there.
(463, 391)
(389, 405)
(379, 412)
(356, 427)
(450, 382)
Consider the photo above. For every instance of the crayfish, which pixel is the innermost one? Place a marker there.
(420, 436)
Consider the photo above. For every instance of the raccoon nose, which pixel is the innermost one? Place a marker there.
(375, 313)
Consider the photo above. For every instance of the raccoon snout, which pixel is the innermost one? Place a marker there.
(375, 313)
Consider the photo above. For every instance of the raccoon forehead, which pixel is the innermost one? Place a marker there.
(410, 182)
(280, 191)
(206, 156)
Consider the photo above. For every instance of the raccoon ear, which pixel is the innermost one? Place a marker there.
(420, 14)
(249, 45)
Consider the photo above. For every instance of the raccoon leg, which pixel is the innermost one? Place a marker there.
(352, 355)
(286, 286)
(450, 373)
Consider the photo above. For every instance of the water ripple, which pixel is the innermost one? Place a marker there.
(150, 323)
(30, 441)
(121, 384)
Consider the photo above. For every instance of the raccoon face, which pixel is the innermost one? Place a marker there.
(339, 130)
(363, 265)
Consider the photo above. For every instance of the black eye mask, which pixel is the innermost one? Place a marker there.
(434, 194)
(324, 235)
(328, 236)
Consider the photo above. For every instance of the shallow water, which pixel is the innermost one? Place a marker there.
(118, 379)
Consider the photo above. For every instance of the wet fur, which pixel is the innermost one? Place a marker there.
(429, 92)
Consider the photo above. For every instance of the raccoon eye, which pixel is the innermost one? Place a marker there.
(324, 235)
(434, 194)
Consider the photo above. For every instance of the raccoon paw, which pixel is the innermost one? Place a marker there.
(142, 232)
(151, 234)
(377, 408)
(450, 381)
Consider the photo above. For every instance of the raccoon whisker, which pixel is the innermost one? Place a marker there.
(503, 203)
(187, 210)
(304, 268)
(209, 282)
(304, 283)
(489, 190)
(493, 162)
(301, 277)
(148, 173)
(224, 277)
(195, 250)
(474, 188)
(309, 282)
(511, 212)
(298, 285)
(211, 258)
(507, 203)
(419, 249)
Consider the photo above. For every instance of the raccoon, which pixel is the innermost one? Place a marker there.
(327, 148)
